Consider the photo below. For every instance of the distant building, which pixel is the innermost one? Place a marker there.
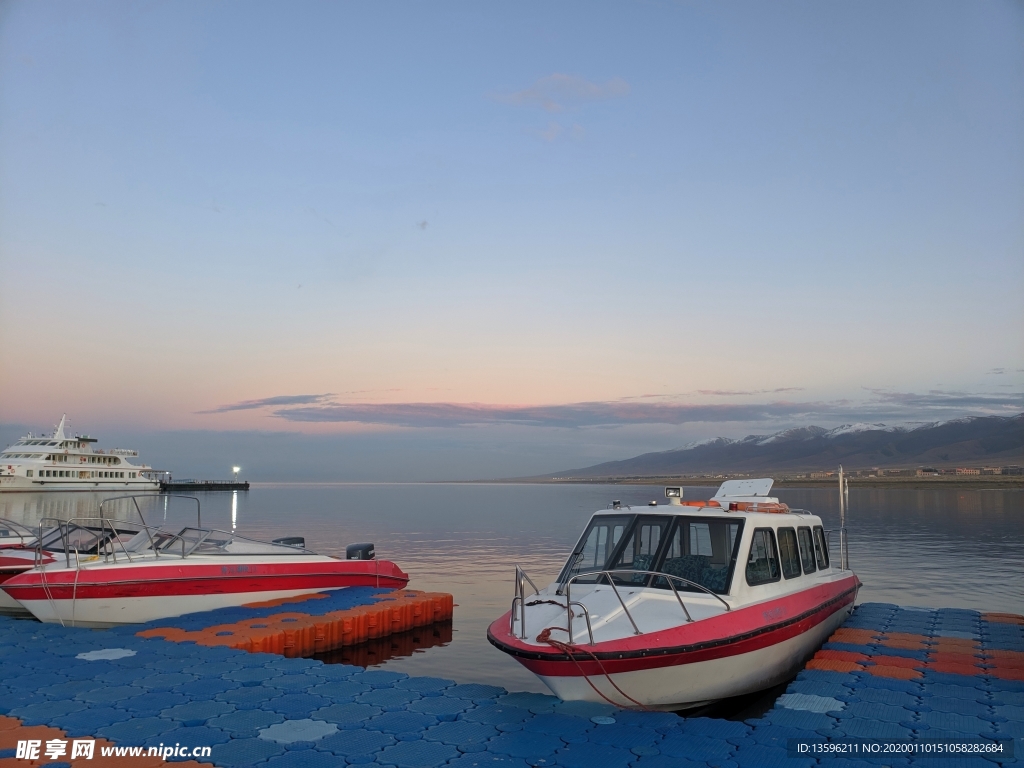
(1012, 470)
(967, 471)
(822, 475)
(991, 470)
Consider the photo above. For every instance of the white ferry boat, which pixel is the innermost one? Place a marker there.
(61, 463)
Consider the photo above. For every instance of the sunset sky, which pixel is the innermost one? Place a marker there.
(453, 240)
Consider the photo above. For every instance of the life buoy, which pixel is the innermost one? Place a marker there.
(699, 504)
(769, 507)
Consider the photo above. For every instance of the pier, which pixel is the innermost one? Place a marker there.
(207, 679)
(204, 485)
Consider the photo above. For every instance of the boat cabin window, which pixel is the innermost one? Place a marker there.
(789, 552)
(820, 547)
(763, 563)
(806, 549)
(595, 547)
(701, 551)
(640, 549)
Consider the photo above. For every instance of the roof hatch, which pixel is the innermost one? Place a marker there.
(756, 487)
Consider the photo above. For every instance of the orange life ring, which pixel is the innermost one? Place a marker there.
(769, 507)
(699, 504)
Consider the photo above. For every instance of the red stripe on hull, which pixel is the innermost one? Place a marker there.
(730, 634)
(178, 580)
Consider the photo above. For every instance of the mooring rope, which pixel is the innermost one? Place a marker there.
(569, 649)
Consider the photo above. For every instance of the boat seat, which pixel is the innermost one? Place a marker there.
(689, 567)
(640, 563)
(698, 569)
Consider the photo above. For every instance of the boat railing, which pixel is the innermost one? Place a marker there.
(23, 532)
(519, 601)
(519, 605)
(109, 535)
(844, 546)
(669, 578)
(101, 527)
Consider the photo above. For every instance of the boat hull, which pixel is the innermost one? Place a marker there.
(108, 596)
(740, 652)
(14, 561)
(8, 605)
(15, 483)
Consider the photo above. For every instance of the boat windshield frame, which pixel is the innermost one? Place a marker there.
(58, 538)
(14, 529)
(112, 538)
(630, 522)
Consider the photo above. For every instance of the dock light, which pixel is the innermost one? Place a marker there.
(236, 470)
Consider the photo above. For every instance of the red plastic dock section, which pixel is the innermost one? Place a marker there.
(295, 634)
(951, 655)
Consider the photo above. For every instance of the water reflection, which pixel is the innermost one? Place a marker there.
(375, 653)
(234, 510)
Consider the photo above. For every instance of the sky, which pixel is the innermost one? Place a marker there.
(412, 241)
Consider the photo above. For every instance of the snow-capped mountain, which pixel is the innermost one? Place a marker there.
(972, 440)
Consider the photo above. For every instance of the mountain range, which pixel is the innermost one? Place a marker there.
(985, 440)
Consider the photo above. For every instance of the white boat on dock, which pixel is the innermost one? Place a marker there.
(674, 606)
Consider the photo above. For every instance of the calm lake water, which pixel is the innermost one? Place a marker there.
(941, 548)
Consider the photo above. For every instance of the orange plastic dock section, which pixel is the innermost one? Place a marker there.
(295, 634)
(951, 655)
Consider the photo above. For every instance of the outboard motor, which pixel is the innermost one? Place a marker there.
(359, 552)
(292, 541)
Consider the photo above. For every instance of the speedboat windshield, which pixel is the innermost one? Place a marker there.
(627, 548)
(205, 541)
(73, 537)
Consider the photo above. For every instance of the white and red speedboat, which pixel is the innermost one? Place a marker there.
(15, 558)
(671, 607)
(97, 573)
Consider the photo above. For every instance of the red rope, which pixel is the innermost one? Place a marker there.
(569, 649)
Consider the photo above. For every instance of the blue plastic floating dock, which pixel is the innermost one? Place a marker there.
(266, 710)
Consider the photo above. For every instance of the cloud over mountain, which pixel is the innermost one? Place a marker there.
(882, 405)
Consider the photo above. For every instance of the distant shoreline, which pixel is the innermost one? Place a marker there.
(986, 482)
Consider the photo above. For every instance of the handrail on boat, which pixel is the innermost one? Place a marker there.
(844, 547)
(136, 496)
(519, 600)
(21, 531)
(668, 577)
(520, 596)
(106, 546)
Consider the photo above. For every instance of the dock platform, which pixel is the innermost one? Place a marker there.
(888, 673)
(204, 485)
